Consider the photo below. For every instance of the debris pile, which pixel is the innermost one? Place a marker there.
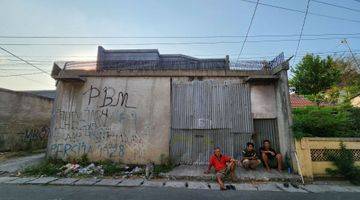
(93, 169)
(75, 169)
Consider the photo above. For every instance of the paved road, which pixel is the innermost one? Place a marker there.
(38, 192)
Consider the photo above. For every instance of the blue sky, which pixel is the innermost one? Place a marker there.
(162, 18)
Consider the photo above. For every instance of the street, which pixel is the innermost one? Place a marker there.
(36, 192)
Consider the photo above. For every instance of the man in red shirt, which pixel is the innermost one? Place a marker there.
(223, 166)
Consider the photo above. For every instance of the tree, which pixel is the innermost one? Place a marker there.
(314, 74)
(350, 75)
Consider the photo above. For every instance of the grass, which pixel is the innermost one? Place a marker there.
(49, 167)
(53, 167)
(164, 168)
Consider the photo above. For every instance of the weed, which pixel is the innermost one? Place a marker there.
(345, 165)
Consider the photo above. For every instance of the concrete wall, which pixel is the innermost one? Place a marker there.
(123, 119)
(24, 120)
(313, 167)
(263, 101)
(284, 120)
(355, 101)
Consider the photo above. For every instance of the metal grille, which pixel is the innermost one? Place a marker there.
(266, 129)
(322, 154)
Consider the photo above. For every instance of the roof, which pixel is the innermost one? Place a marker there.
(152, 59)
(298, 101)
(43, 93)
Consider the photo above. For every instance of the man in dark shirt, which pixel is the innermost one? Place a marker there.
(223, 166)
(250, 159)
(270, 158)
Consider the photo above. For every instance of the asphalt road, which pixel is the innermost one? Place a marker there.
(35, 192)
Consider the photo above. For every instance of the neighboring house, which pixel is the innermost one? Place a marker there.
(44, 93)
(355, 101)
(298, 101)
(24, 120)
(140, 106)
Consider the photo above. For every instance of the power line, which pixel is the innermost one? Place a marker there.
(352, 54)
(337, 6)
(302, 28)
(300, 11)
(218, 54)
(167, 37)
(248, 30)
(24, 61)
(171, 43)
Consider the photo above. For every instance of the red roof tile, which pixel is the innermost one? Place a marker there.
(300, 101)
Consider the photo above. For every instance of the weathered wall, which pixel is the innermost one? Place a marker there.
(24, 120)
(312, 154)
(355, 101)
(263, 101)
(284, 119)
(123, 119)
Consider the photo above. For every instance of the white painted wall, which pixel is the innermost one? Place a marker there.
(263, 102)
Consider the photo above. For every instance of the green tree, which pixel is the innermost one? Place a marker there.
(314, 74)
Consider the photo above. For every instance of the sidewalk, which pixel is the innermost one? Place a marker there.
(15, 164)
(196, 172)
(202, 185)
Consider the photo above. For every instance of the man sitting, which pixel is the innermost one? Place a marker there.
(250, 159)
(223, 166)
(270, 158)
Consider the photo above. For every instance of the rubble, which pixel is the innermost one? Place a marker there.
(76, 169)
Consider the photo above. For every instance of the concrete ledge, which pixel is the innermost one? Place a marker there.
(196, 173)
(78, 74)
(7, 179)
(42, 180)
(109, 182)
(131, 182)
(21, 180)
(64, 181)
(87, 181)
(175, 184)
(272, 186)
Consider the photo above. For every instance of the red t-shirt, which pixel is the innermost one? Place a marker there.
(219, 163)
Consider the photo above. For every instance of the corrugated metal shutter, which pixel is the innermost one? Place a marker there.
(196, 146)
(211, 105)
(207, 114)
(266, 129)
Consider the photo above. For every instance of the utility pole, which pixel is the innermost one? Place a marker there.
(344, 41)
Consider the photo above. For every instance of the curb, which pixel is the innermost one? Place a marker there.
(270, 186)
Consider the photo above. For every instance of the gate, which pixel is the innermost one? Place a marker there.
(266, 129)
(207, 114)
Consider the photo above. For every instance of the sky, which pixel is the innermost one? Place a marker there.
(165, 18)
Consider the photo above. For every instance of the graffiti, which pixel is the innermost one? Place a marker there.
(110, 97)
(87, 120)
(36, 134)
(82, 148)
(105, 127)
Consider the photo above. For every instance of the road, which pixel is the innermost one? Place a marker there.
(40, 192)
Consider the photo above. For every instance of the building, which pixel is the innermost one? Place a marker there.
(24, 120)
(299, 101)
(137, 106)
